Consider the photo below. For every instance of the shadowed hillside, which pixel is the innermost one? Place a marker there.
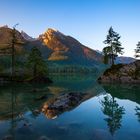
(62, 53)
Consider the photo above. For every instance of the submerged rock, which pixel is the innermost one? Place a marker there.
(74, 125)
(41, 98)
(129, 73)
(8, 137)
(43, 138)
(25, 130)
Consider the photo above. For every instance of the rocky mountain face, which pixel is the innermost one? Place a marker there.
(26, 36)
(6, 39)
(68, 49)
(128, 73)
(56, 48)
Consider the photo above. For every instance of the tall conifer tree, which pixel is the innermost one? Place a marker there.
(113, 47)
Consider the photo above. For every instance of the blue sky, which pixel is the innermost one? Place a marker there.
(86, 20)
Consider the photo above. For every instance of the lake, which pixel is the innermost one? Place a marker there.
(104, 112)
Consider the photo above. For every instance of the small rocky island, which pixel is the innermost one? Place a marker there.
(122, 73)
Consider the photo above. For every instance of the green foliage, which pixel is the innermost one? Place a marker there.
(36, 63)
(113, 47)
(5, 61)
(1, 69)
(5, 64)
(137, 73)
(106, 59)
(111, 108)
(137, 50)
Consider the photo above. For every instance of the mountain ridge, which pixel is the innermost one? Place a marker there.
(56, 48)
(57, 44)
(66, 46)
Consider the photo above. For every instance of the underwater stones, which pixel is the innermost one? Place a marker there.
(36, 111)
(8, 137)
(43, 138)
(75, 125)
(101, 134)
(25, 130)
(41, 98)
(60, 129)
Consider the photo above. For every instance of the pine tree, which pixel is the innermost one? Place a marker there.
(113, 47)
(10, 49)
(137, 50)
(36, 63)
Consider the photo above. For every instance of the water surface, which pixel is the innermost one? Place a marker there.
(107, 112)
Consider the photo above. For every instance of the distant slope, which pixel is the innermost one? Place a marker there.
(121, 59)
(26, 36)
(67, 49)
(124, 60)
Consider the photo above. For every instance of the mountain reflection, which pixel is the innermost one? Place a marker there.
(64, 102)
(16, 100)
(27, 110)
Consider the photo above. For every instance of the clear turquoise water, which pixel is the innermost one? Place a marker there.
(109, 112)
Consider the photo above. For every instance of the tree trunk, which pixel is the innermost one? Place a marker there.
(112, 59)
(112, 55)
(35, 71)
(13, 54)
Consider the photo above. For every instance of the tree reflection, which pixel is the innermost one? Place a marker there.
(14, 114)
(111, 108)
(137, 109)
(10, 114)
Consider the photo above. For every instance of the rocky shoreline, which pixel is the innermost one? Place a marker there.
(120, 73)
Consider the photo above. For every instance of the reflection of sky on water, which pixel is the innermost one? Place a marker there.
(84, 121)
